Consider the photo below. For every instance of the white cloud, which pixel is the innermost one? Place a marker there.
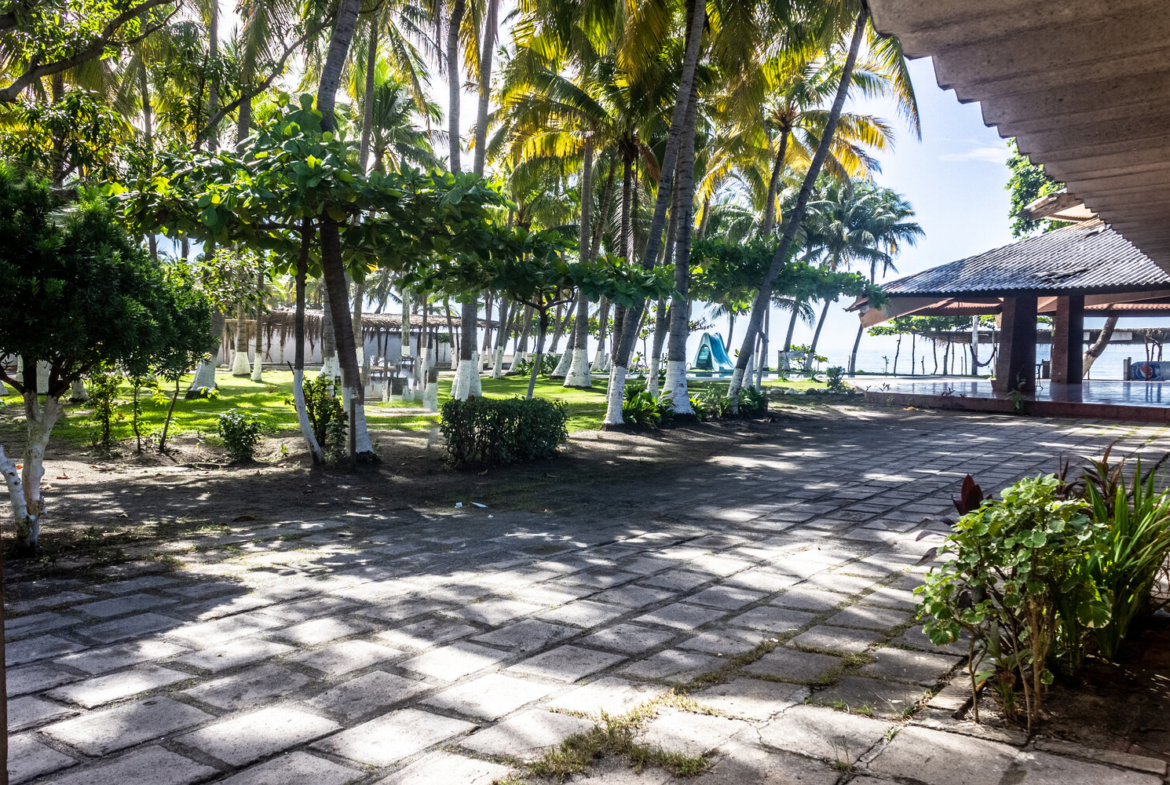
(990, 155)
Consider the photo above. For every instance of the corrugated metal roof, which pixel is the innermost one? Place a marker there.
(1076, 260)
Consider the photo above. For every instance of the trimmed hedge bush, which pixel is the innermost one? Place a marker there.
(491, 432)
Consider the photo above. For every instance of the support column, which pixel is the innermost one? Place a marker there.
(1068, 340)
(1016, 367)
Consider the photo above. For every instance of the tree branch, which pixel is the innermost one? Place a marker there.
(94, 50)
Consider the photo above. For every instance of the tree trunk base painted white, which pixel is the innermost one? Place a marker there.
(40, 421)
(517, 358)
(3, 390)
(652, 379)
(605, 366)
(734, 388)
(303, 417)
(431, 397)
(578, 375)
(331, 367)
(498, 365)
(614, 397)
(675, 386)
(563, 364)
(361, 433)
(461, 388)
(204, 379)
(240, 365)
(476, 390)
(78, 393)
(11, 471)
(258, 370)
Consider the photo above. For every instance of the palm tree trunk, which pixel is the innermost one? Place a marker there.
(299, 343)
(675, 384)
(240, 366)
(602, 324)
(368, 106)
(853, 355)
(696, 16)
(487, 316)
(453, 80)
(662, 316)
(485, 84)
(213, 53)
(812, 349)
(774, 187)
(147, 139)
(258, 364)
(706, 219)
(543, 329)
(765, 294)
(578, 373)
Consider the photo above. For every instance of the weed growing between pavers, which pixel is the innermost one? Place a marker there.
(616, 736)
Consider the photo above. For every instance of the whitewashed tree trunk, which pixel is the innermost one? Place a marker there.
(3, 390)
(258, 345)
(40, 421)
(674, 384)
(578, 375)
(240, 365)
(362, 443)
(476, 382)
(11, 472)
(563, 365)
(498, 364)
(737, 385)
(303, 416)
(617, 386)
(78, 393)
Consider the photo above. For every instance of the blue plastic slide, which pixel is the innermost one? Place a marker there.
(712, 356)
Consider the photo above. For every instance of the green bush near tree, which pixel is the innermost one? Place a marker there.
(240, 432)
(490, 432)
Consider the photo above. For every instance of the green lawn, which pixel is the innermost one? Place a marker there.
(267, 401)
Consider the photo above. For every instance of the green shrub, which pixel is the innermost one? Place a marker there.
(710, 405)
(1017, 582)
(834, 380)
(1136, 543)
(548, 364)
(240, 433)
(640, 412)
(327, 417)
(491, 432)
(103, 397)
(752, 402)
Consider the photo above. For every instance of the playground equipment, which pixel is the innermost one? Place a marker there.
(712, 355)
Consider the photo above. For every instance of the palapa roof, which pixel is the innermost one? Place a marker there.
(1085, 259)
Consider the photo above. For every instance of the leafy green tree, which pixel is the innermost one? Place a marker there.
(81, 294)
(1027, 184)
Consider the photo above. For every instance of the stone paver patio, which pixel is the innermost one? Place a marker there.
(449, 646)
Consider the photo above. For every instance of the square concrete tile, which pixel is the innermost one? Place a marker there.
(453, 662)
(838, 639)
(497, 611)
(918, 667)
(525, 736)
(584, 613)
(250, 737)
(527, 635)
(131, 603)
(447, 767)
(610, 695)
(153, 765)
(295, 767)
(39, 648)
(311, 633)
(103, 689)
(877, 696)
(688, 733)
(34, 678)
(390, 738)
(682, 616)
(801, 667)
(367, 693)
(724, 641)
(102, 732)
(491, 696)
(633, 596)
(233, 654)
(1040, 768)
(344, 657)
(98, 661)
(744, 763)
(29, 758)
(939, 758)
(30, 710)
(834, 736)
(752, 699)
(805, 598)
(729, 597)
(249, 688)
(628, 638)
(426, 634)
(867, 617)
(130, 627)
(769, 618)
(567, 663)
(672, 664)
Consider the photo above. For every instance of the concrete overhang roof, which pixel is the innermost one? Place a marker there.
(1083, 86)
